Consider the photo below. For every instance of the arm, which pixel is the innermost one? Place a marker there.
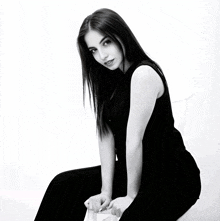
(146, 87)
(107, 158)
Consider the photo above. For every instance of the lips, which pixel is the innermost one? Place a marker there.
(109, 63)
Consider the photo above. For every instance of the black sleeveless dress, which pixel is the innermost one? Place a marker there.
(170, 182)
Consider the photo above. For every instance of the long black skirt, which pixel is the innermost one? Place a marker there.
(65, 196)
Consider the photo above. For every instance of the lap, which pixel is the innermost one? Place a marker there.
(167, 203)
(82, 173)
(66, 193)
(91, 177)
(73, 187)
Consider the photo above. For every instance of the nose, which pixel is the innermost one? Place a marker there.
(103, 55)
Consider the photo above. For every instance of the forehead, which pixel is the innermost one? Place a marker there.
(93, 38)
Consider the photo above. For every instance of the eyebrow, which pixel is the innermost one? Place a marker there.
(103, 39)
(99, 42)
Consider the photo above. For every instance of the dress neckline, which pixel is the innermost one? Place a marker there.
(131, 68)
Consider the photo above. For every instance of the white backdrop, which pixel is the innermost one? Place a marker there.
(44, 128)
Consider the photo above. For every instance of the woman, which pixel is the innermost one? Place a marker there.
(155, 177)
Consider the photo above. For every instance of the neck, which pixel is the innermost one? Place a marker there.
(125, 66)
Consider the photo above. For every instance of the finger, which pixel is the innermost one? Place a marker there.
(111, 204)
(118, 213)
(89, 205)
(113, 211)
(96, 207)
(104, 205)
(86, 203)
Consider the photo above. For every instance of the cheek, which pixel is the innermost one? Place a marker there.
(119, 52)
(119, 55)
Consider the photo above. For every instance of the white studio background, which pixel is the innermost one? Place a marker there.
(44, 128)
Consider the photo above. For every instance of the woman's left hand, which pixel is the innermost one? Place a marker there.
(119, 205)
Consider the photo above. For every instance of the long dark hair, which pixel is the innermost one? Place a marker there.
(99, 81)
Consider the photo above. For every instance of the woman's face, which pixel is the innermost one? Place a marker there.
(104, 50)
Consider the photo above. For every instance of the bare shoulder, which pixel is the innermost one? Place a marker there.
(146, 75)
(145, 72)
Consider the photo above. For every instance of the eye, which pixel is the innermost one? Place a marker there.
(92, 51)
(107, 42)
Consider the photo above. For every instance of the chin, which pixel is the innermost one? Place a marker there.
(112, 68)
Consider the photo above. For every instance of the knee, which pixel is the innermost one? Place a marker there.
(68, 176)
(76, 176)
(60, 178)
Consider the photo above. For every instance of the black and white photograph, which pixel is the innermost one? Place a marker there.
(109, 110)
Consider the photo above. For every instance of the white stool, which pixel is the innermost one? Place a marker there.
(102, 216)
